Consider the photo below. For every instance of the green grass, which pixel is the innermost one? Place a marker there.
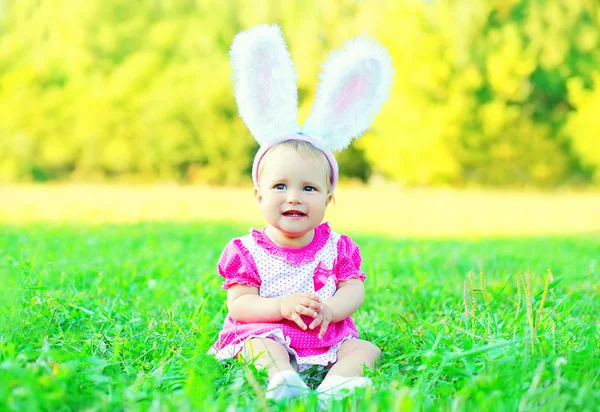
(120, 317)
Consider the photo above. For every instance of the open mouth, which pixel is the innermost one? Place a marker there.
(294, 213)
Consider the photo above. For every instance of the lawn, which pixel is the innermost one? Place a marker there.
(119, 317)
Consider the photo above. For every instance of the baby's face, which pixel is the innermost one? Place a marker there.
(292, 193)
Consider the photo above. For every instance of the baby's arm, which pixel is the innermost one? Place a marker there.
(349, 296)
(246, 306)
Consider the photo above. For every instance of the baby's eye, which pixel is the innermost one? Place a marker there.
(279, 186)
(310, 188)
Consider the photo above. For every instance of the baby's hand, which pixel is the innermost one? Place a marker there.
(323, 319)
(292, 306)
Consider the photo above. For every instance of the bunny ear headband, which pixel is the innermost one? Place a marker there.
(355, 82)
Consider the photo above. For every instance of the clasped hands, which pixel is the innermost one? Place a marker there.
(307, 304)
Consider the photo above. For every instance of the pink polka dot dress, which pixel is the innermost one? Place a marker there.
(255, 260)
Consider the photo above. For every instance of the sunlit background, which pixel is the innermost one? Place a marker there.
(474, 199)
(116, 111)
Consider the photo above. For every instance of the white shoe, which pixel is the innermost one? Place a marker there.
(338, 387)
(286, 385)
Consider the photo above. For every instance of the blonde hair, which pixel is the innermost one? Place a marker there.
(308, 152)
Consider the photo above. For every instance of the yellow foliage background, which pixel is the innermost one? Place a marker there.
(486, 92)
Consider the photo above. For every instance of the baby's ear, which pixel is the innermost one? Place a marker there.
(257, 195)
(265, 83)
(355, 82)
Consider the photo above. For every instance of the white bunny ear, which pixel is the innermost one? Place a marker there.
(355, 82)
(265, 83)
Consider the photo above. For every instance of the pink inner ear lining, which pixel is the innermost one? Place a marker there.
(263, 77)
(352, 91)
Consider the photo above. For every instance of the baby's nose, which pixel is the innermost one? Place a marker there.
(294, 198)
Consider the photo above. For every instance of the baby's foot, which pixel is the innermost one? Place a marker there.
(286, 385)
(338, 387)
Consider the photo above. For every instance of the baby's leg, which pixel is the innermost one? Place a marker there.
(353, 354)
(284, 381)
(346, 374)
(271, 355)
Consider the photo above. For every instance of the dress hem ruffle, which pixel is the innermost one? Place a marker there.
(303, 362)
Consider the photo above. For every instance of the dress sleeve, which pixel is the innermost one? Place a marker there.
(348, 260)
(237, 266)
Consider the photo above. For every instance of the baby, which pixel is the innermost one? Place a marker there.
(293, 285)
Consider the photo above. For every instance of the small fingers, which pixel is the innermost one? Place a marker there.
(324, 326)
(296, 318)
(305, 311)
(316, 322)
(312, 296)
(310, 303)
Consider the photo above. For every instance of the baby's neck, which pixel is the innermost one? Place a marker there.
(282, 240)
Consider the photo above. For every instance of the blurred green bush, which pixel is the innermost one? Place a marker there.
(496, 92)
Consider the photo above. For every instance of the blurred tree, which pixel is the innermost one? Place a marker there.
(583, 125)
(497, 92)
(481, 91)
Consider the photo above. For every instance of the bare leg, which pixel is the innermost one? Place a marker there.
(271, 355)
(352, 356)
(346, 374)
(284, 381)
